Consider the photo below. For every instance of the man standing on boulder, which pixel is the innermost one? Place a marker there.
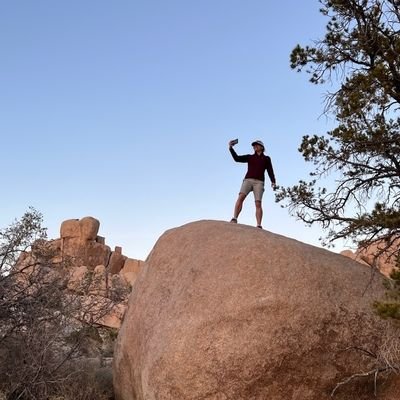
(257, 163)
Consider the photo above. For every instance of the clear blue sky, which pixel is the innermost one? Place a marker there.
(123, 111)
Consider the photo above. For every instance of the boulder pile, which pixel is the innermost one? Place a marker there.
(87, 256)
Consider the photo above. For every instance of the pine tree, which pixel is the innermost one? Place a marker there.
(361, 53)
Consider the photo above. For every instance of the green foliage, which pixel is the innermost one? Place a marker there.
(360, 52)
(112, 333)
(387, 309)
(395, 275)
(390, 308)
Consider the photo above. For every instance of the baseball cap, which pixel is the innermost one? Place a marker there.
(258, 142)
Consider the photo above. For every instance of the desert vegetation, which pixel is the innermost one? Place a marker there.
(51, 343)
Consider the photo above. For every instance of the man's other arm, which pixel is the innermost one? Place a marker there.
(270, 171)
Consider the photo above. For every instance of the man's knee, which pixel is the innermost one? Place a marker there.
(241, 197)
(258, 204)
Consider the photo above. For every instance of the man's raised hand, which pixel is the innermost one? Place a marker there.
(233, 142)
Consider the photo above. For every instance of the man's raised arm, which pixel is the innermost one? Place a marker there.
(235, 156)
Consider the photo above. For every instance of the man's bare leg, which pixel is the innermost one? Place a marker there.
(238, 205)
(259, 212)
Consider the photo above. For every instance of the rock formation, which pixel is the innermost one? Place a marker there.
(376, 255)
(224, 311)
(88, 257)
(79, 240)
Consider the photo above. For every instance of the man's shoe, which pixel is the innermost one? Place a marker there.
(259, 226)
(234, 220)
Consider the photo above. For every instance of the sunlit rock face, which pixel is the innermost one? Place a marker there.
(379, 256)
(227, 311)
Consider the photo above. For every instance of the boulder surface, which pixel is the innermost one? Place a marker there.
(225, 311)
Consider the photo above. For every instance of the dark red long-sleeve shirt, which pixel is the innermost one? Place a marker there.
(256, 165)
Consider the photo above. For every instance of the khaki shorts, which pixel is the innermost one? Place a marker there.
(254, 185)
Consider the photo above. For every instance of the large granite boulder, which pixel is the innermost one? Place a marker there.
(225, 311)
